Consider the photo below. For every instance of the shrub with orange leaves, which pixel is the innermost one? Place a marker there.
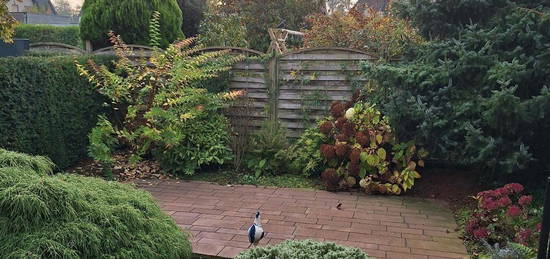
(385, 36)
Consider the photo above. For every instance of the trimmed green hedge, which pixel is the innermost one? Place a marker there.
(47, 108)
(48, 33)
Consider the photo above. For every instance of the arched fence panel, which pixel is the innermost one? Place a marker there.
(55, 47)
(295, 88)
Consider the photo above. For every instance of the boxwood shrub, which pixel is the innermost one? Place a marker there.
(304, 249)
(48, 33)
(46, 107)
(69, 216)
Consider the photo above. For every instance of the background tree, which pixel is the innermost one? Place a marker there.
(259, 15)
(479, 95)
(63, 7)
(193, 11)
(130, 19)
(7, 22)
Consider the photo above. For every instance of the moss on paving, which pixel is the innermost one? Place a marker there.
(232, 177)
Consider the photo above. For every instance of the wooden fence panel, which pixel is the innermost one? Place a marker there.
(310, 79)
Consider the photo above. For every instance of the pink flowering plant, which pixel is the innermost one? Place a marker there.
(504, 215)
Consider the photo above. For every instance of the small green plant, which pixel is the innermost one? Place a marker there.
(154, 30)
(304, 156)
(262, 158)
(304, 249)
(102, 143)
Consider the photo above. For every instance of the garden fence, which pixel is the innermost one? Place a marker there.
(295, 88)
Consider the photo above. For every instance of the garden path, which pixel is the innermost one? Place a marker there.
(385, 227)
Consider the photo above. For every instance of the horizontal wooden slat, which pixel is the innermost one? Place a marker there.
(317, 66)
(245, 85)
(328, 56)
(248, 79)
(288, 77)
(334, 96)
(252, 66)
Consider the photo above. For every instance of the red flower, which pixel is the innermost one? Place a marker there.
(504, 201)
(515, 187)
(481, 233)
(523, 236)
(471, 226)
(513, 211)
(525, 200)
(489, 204)
(538, 227)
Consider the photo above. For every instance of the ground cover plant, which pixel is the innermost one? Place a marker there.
(303, 249)
(68, 216)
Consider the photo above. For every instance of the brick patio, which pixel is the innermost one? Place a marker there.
(385, 227)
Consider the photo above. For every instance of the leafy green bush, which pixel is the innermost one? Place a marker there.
(46, 108)
(304, 156)
(222, 30)
(164, 113)
(261, 156)
(480, 99)
(67, 216)
(130, 18)
(305, 249)
(69, 35)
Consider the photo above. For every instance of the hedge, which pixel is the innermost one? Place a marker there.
(48, 33)
(46, 107)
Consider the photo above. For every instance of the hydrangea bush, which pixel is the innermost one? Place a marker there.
(361, 148)
(504, 215)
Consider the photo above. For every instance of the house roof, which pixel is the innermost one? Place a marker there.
(45, 4)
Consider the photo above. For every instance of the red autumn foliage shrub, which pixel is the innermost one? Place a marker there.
(504, 215)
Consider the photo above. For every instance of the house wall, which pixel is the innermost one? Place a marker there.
(19, 6)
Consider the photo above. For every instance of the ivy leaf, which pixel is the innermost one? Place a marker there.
(363, 156)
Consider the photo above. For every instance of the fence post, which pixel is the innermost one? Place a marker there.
(88, 48)
(273, 89)
(545, 229)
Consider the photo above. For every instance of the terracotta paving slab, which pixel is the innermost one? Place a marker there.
(385, 227)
